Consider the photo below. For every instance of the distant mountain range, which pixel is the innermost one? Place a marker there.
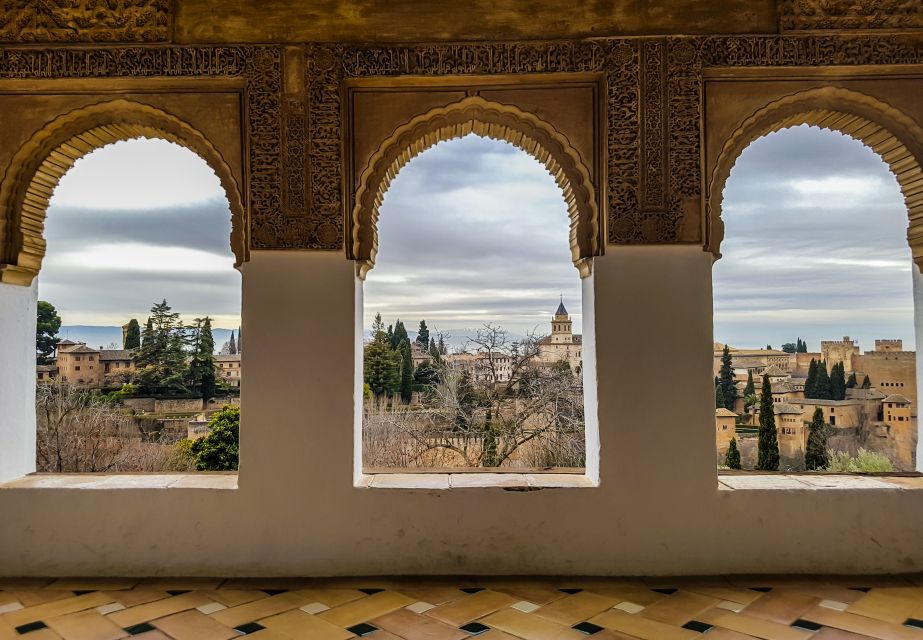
(97, 336)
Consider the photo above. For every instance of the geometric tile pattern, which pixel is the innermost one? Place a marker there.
(486, 608)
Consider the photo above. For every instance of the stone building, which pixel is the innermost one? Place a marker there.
(306, 111)
(725, 430)
(80, 365)
(562, 345)
(227, 366)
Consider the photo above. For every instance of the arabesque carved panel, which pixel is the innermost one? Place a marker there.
(68, 21)
(813, 15)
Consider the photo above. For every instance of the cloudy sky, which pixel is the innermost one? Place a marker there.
(475, 231)
(133, 223)
(815, 245)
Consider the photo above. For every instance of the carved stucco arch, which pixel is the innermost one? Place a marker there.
(890, 133)
(40, 163)
(489, 119)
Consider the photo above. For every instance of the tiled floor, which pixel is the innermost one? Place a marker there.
(499, 608)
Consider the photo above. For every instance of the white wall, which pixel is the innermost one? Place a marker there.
(296, 511)
(17, 380)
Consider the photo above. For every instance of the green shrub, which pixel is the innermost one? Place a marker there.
(864, 462)
(219, 450)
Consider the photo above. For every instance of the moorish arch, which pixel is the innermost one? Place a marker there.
(36, 168)
(492, 120)
(890, 133)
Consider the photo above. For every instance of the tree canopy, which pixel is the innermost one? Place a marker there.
(48, 323)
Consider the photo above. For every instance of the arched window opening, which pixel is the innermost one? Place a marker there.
(138, 343)
(814, 309)
(473, 315)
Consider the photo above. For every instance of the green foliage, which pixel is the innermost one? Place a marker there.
(202, 363)
(768, 446)
(864, 462)
(220, 449)
(434, 351)
(161, 361)
(126, 391)
(790, 347)
(810, 385)
(838, 382)
(441, 346)
(381, 365)
(406, 358)
(801, 346)
(48, 323)
(866, 383)
(232, 345)
(720, 402)
(726, 379)
(749, 391)
(823, 390)
(132, 335)
(489, 456)
(732, 457)
(425, 376)
(423, 336)
(852, 383)
(815, 456)
(400, 333)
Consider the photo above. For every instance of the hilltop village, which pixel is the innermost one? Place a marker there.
(875, 408)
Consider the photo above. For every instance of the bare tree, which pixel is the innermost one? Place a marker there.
(497, 404)
(78, 431)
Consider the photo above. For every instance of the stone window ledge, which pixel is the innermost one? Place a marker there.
(123, 481)
(448, 481)
(815, 482)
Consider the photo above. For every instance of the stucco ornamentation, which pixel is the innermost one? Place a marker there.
(85, 21)
(492, 120)
(38, 165)
(810, 15)
(893, 135)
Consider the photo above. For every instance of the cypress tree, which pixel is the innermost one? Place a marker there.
(434, 351)
(726, 379)
(838, 382)
(852, 383)
(810, 385)
(406, 371)
(202, 362)
(400, 333)
(815, 457)
(768, 446)
(823, 390)
(866, 383)
(720, 402)
(750, 389)
(132, 335)
(441, 345)
(232, 345)
(489, 455)
(732, 457)
(423, 336)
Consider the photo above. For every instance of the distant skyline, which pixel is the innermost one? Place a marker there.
(475, 230)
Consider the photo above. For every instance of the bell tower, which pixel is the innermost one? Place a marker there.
(561, 326)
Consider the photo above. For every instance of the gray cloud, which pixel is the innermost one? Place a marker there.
(815, 245)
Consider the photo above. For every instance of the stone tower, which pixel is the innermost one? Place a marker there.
(561, 331)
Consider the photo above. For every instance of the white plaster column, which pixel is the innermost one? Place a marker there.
(17, 380)
(918, 335)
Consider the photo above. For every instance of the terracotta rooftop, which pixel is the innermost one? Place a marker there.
(897, 398)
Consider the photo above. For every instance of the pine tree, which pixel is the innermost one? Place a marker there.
(768, 446)
(823, 390)
(423, 336)
(403, 349)
(160, 363)
(852, 383)
(726, 379)
(381, 365)
(838, 382)
(810, 385)
(815, 456)
(132, 335)
(48, 323)
(732, 457)
(866, 383)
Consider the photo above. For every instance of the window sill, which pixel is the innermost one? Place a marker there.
(449, 481)
(815, 482)
(220, 481)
